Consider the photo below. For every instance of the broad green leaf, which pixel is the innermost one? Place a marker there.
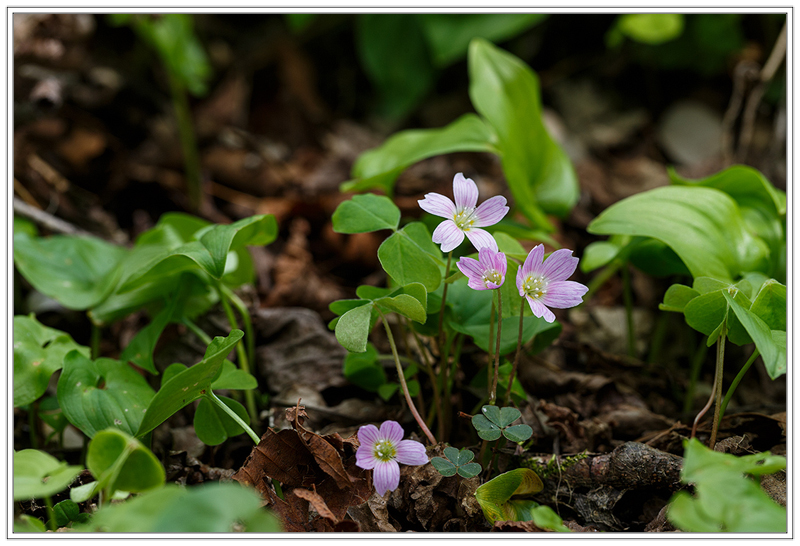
(487, 430)
(518, 433)
(102, 393)
(409, 256)
(161, 263)
(364, 370)
(598, 254)
(38, 475)
(650, 28)
(172, 370)
(213, 425)
(677, 296)
(774, 358)
(707, 312)
(444, 467)
(406, 305)
(38, 352)
(206, 508)
(704, 285)
(234, 379)
(495, 496)
(140, 349)
(219, 240)
(380, 167)
(364, 213)
(655, 258)
(685, 514)
(29, 524)
(353, 328)
(770, 304)
(448, 35)
(702, 225)
(505, 91)
(508, 416)
(189, 385)
(79, 272)
(120, 462)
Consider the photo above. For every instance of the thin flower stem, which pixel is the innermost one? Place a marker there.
(444, 299)
(516, 355)
(718, 386)
(458, 339)
(51, 514)
(493, 392)
(627, 296)
(402, 378)
(436, 409)
(241, 307)
(736, 382)
(490, 351)
(694, 374)
(232, 414)
(188, 143)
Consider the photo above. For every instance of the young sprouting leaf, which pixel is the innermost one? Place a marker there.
(353, 327)
(102, 393)
(496, 496)
(213, 426)
(410, 256)
(443, 466)
(365, 213)
(703, 226)
(234, 379)
(190, 384)
(774, 358)
(120, 462)
(219, 240)
(380, 167)
(175, 509)
(505, 91)
(38, 352)
(38, 474)
(79, 272)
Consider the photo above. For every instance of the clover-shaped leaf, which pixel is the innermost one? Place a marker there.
(122, 463)
(495, 422)
(456, 462)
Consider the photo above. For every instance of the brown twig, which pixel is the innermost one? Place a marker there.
(46, 219)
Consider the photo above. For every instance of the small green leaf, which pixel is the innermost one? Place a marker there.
(409, 256)
(651, 28)
(598, 254)
(364, 370)
(67, 511)
(38, 475)
(465, 456)
(508, 416)
(29, 524)
(234, 379)
(121, 463)
(406, 305)
(518, 433)
(365, 213)
(213, 425)
(190, 384)
(452, 454)
(219, 240)
(486, 429)
(140, 349)
(353, 328)
(495, 496)
(769, 304)
(677, 296)
(469, 470)
(774, 358)
(445, 467)
(493, 414)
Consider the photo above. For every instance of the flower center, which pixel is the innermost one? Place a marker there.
(535, 287)
(492, 276)
(463, 218)
(384, 451)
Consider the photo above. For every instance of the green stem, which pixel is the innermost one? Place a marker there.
(436, 408)
(232, 414)
(493, 392)
(241, 307)
(402, 378)
(95, 341)
(490, 352)
(191, 157)
(627, 297)
(718, 387)
(694, 374)
(51, 514)
(516, 355)
(249, 395)
(444, 299)
(736, 382)
(195, 329)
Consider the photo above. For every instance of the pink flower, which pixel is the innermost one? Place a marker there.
(487, 272)
(382, 449)
(463, 218)
(545, 284)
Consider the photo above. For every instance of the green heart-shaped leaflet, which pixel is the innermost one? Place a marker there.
(365, 213)
(120, 462)
(213, 426)
(495, 496)
(410, 256)
(190, 384)
(38, 475)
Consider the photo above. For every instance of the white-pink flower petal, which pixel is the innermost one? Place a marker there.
(539, 310)
(438, 205)
(465, 192)
(480, 238)
(448, 235)
(386, 476)
(564, 294)
(490, 211)
(470, 267)
(365, 458)
(368, 435)
(560, 265)
(392, 431)
(411, 453)
(533, 261)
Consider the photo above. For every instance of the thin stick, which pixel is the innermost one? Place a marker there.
(46, 220)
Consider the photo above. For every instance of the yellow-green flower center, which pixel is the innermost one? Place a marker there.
(535, 287)
(492, 276)
(384, 451)
(463, 218)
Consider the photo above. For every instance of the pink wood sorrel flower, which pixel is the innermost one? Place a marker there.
(382, 449)
(487, 272)
(545, 284)
(463, 218)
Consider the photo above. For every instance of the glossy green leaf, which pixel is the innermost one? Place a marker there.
(213, 425)
(190, 384)
(234, 379)
(219, 240)
(495, 496)
(448, 34)
(598, 254)
(409, 256)
(38, 352)
(140, 349)
(505, 91)
(518, 433)
(774, 358)
(102, 393)
(405, 305)
(770, 304)
(702, 225)
(650, 28)
(677, 296)
(38, 475)
(380, 167)
(508, 416)
(206, 508)
(444, 467)
(353, 328)
(486, 429)
(364, 370)
(78, 272)
(469, 470)
(365, 213)
(120, 462)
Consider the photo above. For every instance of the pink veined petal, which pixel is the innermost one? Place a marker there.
(478, 284)
(481, 238)
(490, 211)
(533, 262)
(559, 265)
(448, 235)
(365, 458)
(411, 453)
(368, 435)
(438, 205)
(491, 286)
(392, 431)
(470, 267)
(520, 281)
(386, 476)
(564, 294)
(539, 310)
(500, 263)
(465, 192)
